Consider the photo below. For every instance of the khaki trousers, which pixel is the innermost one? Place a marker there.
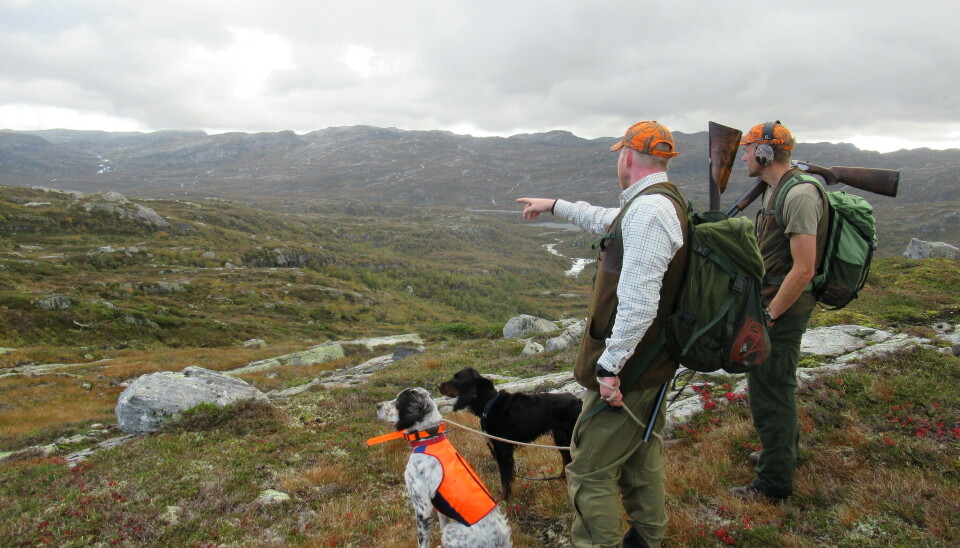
(612, 464)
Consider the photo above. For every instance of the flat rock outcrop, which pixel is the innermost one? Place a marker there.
(841, 345)
(55, 302)
(330, 350)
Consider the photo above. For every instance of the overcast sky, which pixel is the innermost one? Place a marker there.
(880, 74)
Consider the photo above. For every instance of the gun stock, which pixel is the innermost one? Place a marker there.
(747, 198)
(724, 142)
(879, 181)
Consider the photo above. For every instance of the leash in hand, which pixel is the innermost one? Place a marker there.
(648, 427)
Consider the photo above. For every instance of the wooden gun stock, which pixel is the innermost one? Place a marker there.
(723, 144)
(879, 181)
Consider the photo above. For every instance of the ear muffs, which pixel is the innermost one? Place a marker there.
(765, 152)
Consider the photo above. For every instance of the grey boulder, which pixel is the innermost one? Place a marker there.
(919, 249)
(155, 398)
(525, 325)
(114, 202)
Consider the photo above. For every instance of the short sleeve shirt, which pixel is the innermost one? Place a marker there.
(802, 209)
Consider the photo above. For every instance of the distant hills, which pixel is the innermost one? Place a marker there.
(365, 163)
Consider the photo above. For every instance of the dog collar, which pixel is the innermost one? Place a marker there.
(486, 411)
(429, 441)
(409, 436)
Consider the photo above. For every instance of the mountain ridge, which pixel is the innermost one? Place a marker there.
(397, 166)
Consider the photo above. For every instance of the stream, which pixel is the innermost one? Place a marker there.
(578, 264)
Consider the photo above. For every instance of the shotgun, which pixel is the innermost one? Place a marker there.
(879, 181)
(723, 145)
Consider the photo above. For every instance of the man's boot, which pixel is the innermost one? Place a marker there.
(633, 540)
(754, 459)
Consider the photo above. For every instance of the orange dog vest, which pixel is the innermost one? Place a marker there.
(461, 495)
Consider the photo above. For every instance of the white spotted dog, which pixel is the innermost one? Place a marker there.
(438, 477)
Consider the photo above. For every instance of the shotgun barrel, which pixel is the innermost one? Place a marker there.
(879, 181)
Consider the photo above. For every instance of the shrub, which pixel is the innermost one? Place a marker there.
(239, 419)
(461, 330)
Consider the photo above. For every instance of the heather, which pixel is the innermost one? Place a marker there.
(881, 438)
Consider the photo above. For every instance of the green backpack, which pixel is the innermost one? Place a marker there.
(851, 240)
(718, 320)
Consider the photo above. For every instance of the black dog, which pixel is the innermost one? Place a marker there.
(517, 417)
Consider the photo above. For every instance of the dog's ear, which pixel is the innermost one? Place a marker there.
(484, 384)
(412, 407)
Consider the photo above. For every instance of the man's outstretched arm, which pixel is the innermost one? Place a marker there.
(535, 206)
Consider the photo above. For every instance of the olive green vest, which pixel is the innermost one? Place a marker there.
(775, 247)
(603, 309)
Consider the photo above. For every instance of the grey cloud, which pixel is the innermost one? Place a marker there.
(830, 68)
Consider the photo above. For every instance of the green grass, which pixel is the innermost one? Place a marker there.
(353, 276)
(882, 448)
(902, 292)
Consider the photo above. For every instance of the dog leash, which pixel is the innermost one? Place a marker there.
(485, 435)
(396, 435)
(505, 440)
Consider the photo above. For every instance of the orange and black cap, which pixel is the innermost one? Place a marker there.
(645, 136)
(774, 134)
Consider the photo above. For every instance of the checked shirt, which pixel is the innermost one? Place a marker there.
(651, 237)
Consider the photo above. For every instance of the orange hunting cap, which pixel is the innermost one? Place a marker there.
(773, 133)
(644, 136)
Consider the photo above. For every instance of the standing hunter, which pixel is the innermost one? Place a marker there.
(791, 254)
(634, 282)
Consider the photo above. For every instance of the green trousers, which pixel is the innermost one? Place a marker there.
(612, 464)
(773, 404)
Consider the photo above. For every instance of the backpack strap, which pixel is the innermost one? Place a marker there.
(777, 212)
(627, 381)
(618, 226)
(783, 189)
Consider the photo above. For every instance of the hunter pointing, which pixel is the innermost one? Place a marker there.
(635, 280)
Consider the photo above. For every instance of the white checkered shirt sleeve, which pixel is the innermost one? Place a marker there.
(651, 237)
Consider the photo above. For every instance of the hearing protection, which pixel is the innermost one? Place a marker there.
(765, 152)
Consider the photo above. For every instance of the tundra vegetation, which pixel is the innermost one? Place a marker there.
(881, 440)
